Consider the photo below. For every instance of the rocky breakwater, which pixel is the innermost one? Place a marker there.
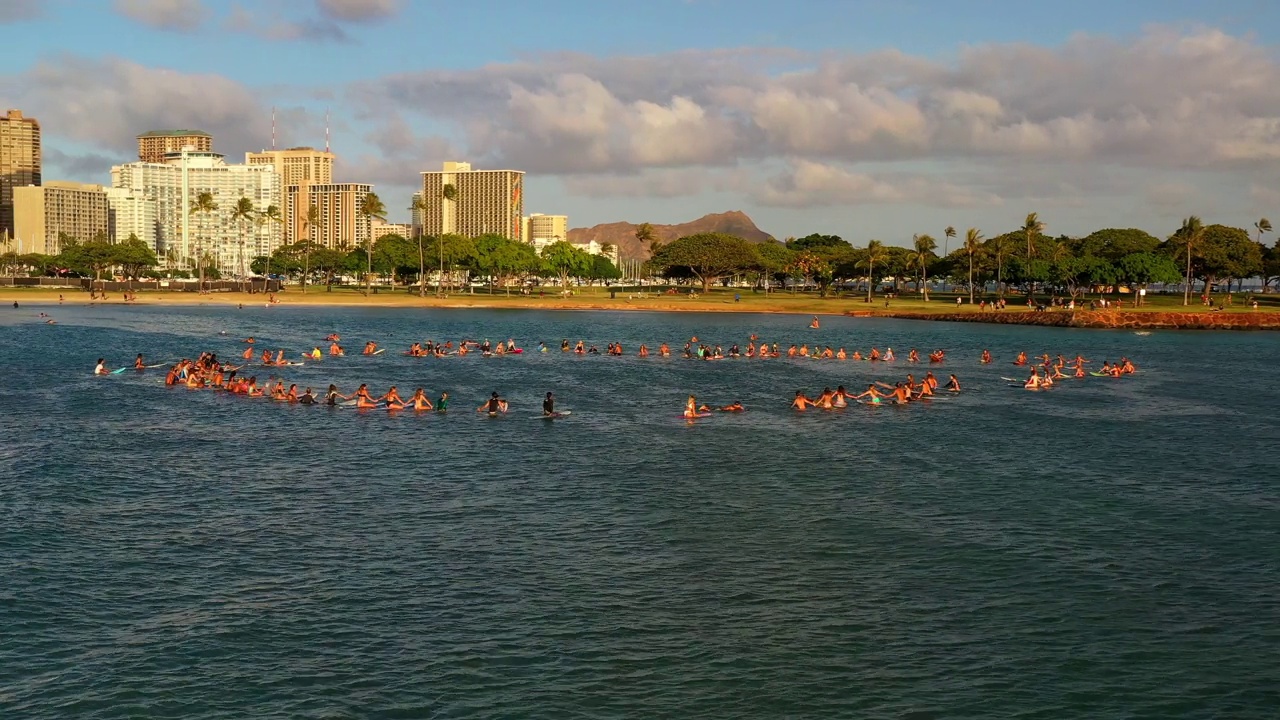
(1105, 319)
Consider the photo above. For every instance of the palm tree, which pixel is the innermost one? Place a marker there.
(924, 247)
(949, 233)
(371, 207)
(972, 243)
(1000, 247)
(1264, 226)
(646, 238)
(875, 253)
(311, 220)
(448, 193)
(1031, 228)
(270, 215)
(243, 212)
(203, 204)
(1190, 233)
(420, 205)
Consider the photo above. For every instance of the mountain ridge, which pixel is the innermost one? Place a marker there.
(623, 234)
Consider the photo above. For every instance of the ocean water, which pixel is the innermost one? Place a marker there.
(1107, 549)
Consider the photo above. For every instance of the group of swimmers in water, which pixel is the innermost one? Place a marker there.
(1046, 371)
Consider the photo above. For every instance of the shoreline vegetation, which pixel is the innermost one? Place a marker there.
(1157, 312)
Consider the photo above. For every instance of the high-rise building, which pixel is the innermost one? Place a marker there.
(19, 163)
(44, 214)
(415, 215)
(295, 166)
(542, 230)
(486, 201)
(378, 229)
(339, 223)
(155, 144)
(132, 213)
(182, 235)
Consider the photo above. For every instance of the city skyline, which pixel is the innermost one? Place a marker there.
(864, 119)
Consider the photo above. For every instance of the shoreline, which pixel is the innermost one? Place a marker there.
(1101, 319)
(1157, 318)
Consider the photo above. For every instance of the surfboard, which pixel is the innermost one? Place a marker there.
(379, 351)
(117, 371)
(1099, 374)
(1009, 379)
(555, 415)
(699, 415)
(156, 365)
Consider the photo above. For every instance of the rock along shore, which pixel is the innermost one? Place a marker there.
(1101, 319)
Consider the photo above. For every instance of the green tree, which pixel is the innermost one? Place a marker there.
(1263, 226)
(947, 234)
(873, 255)
(1270, 264)
(773, 260)
(502, 259)
(204, 206)
(999, 248)
(813, 266)
(268, 217)
(135, 257)
(311, 223)
(371, 207)
(647, 239)
(817, 242)
(922, 254)
(243, 214)
(972, 246)
(565, 260)
(328, 262)
(1032, 228)
(419, 205)
(1188, 238)
(1141, 269)
(1227, 253)
(708, 256)
(1115, 243)
(602, 269)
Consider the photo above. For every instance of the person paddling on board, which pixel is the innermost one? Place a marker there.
(549, 405)
(691, 407)
(733, 407)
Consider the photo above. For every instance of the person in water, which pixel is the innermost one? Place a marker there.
(549, 405)
(138, 363)
(443, 403)
(801, 401)
(493, 405)
(814, 323)
(370, 347)
(101, 367)
(734, 407)
(986, 356)
(953, 384)
(419, 400)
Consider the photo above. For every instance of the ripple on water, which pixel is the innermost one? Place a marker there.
(1102, 550)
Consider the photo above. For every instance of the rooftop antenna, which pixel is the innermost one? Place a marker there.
(273, 128)
(326, 129)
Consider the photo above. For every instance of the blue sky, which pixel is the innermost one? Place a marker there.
(870, 119)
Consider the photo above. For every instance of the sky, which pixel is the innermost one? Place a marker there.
(861, 118)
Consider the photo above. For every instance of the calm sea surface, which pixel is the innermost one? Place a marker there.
(1108, 549)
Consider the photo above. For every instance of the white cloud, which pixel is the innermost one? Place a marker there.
(174, 15)
(805, 183)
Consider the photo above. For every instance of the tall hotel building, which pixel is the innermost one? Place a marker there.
(154, 145)
(175, 183)
(339, 223)
(488, 201)
(19, 163)
(542, 230)
(43, 214)
(298, 166)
